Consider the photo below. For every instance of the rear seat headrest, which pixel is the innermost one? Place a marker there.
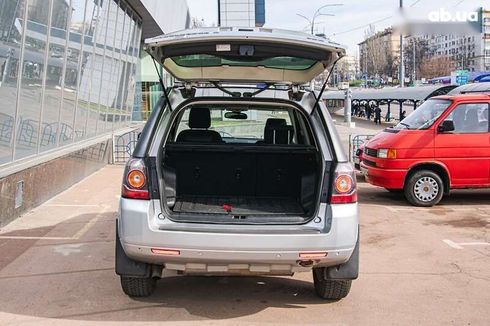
(199, 118)
(278, 132)
(274, 122)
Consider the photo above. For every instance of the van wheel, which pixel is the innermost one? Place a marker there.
(424, 188)
(138, 287)
(330, 289)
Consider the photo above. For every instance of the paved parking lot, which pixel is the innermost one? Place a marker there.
(418, 266)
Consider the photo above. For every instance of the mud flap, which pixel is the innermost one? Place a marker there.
(348, 270)
(125, 266)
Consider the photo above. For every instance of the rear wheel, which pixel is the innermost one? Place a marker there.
(424, 188)
(138, 287)
(330, 289)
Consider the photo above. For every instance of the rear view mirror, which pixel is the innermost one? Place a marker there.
(236, 115)
(446, 126)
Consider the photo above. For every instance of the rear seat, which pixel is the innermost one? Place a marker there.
(245, 173)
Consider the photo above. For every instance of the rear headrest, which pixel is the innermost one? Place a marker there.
(274, 122)
(199, 118)
(279, 135)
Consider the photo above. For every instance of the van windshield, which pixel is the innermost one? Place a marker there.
(425, 115)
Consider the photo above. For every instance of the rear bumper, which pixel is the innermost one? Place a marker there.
(236, 248)
(386, 178)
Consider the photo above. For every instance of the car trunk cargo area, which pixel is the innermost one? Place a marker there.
(276, 183)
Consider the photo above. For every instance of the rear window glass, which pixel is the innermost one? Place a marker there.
(207, 60)
(250, 126)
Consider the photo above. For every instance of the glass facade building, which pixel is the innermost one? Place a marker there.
(242, 13)
(67, 72)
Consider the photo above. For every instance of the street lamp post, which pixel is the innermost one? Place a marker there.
(402, 67)
(317, 14)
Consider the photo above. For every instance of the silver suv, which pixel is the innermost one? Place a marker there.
(238, 170)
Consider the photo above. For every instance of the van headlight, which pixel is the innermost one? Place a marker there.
(386, 153)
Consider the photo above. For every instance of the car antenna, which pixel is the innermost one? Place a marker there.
(324, 85)
(161, 84)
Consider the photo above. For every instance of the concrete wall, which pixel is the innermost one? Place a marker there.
(45, 180)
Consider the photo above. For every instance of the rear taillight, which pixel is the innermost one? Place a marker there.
(344, 185)
(135, 182)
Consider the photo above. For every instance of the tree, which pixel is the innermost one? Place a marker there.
(343, 70)
(421, 48)
(436, 67)
(378, 59)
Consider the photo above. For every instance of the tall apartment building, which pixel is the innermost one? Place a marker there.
(243, 13)
(470, 52)
(380, 54)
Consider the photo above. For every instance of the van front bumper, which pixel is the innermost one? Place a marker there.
(386, 178)
(236, 248)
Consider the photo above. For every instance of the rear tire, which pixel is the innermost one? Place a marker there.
(424, 188)
(138, 287)
(330, 289)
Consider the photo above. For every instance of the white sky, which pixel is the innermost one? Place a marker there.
(353, 14)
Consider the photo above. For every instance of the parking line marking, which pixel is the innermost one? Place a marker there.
(71, 205)
(479, 210)
(452, 244)
(460, 245)
(15, 237)
(474, 244)
(85, 228)
(76, 236)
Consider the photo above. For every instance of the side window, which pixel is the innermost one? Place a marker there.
(184, 122)
(470, 118)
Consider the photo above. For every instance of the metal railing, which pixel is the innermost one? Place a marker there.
(355, 141)
(123, 146)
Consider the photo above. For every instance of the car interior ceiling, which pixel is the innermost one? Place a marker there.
(275, 175)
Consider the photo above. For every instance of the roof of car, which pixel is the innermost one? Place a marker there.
(465, 97)
(483, 87)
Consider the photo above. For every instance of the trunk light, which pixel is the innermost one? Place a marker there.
(165, 252)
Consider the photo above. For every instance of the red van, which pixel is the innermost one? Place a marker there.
(443, 145)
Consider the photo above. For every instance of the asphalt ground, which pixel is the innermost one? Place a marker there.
(428, 266)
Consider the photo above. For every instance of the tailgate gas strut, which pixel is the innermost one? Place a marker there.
(324, 85)
(163, 86)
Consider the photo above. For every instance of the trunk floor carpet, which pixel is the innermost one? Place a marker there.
(238, 205)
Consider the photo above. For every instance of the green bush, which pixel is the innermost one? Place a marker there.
(355, 83)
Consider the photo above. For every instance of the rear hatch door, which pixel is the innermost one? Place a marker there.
(243, 55)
